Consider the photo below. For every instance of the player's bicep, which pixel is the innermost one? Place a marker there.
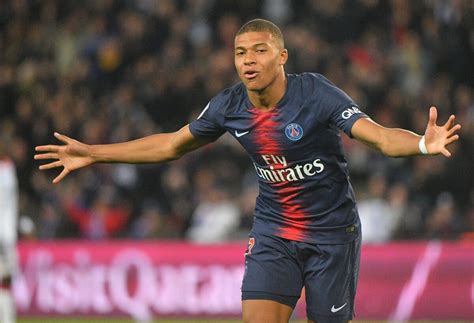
(184, 141)
(368, 131)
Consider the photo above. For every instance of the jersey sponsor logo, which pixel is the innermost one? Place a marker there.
(294, 131)
(346, 114)
(337, 309)
(240, 134)
(278, 170)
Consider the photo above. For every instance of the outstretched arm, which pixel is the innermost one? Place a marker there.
(152, 149)
(396, 142)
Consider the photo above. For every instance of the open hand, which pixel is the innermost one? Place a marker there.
(437, 138)
(72, 155)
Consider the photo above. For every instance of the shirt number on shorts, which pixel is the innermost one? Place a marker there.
(250, 246)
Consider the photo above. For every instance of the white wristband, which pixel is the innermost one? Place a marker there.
(422, 146)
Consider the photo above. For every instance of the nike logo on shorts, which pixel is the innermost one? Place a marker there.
(337, 309)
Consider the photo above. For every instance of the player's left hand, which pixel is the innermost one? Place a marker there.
(437, 138)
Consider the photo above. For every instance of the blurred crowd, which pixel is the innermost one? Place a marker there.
(105, 71)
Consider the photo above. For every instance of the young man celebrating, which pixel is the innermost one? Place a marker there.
(306, 229)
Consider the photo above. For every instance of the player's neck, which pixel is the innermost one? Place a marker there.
(268, 98)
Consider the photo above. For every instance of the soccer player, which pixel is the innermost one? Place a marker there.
(306, 229)
(8, 235)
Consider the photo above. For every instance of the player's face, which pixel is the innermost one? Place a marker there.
(259, 59)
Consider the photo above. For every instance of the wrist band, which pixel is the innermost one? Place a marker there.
(422, 146)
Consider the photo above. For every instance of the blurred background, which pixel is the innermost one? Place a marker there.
(108, 71)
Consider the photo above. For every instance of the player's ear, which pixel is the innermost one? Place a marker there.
(283, 56)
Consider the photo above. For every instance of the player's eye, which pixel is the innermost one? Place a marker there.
(239, 53)
(261, 50)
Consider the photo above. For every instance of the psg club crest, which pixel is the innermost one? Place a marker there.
(293, 131)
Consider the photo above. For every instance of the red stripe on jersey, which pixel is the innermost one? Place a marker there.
(264, 133)
(265, 137)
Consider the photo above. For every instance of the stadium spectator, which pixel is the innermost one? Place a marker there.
(153, 223)
(381, 211)
(9, 199)
(216, 217)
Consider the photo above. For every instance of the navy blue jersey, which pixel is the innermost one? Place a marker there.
(305, 193)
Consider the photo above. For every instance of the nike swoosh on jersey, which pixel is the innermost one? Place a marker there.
(240, 134)
(337, 309)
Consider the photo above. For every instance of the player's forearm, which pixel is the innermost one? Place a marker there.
(395, 142)
(152, 149)
(392, 142)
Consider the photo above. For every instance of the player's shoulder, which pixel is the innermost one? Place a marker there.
(309, 78)
(229, 98)
(316, 80)
(310, 82)
(323, 88)
(230, 93)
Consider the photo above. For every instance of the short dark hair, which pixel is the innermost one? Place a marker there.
(263, 25)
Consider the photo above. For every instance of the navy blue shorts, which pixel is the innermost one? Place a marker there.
(277, 269)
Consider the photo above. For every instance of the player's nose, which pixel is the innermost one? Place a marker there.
(249, 59)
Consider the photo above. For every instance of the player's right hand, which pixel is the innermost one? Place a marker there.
(72, 155)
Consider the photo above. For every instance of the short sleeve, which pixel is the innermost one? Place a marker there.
(337, 108)
(344, 117)
(208, 124)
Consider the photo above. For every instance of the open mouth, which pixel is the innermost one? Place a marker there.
(250, 74)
